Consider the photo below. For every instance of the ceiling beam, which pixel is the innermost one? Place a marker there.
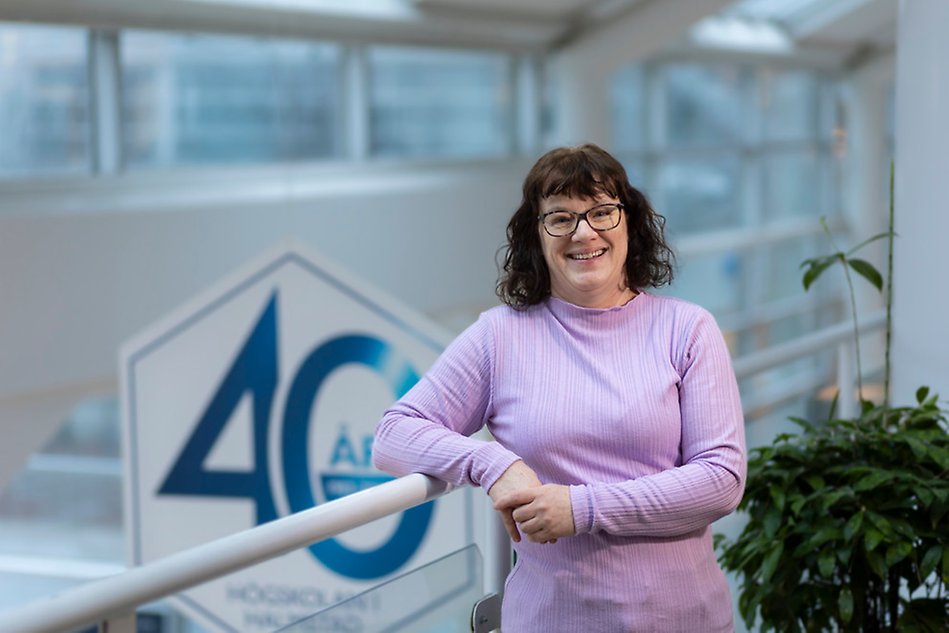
(391, 23)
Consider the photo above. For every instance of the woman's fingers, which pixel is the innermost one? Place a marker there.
(510, 525)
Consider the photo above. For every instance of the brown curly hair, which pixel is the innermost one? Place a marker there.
(580, 172)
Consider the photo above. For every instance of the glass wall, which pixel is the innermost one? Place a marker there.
(45, 122)
(439, 103)
(194, 99)
(201, 99)
(749, 153)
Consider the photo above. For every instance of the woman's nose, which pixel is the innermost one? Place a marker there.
(584, 230)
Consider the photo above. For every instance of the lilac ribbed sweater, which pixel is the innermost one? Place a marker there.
(637, 410)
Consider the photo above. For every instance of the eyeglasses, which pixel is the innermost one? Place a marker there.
(562, 223)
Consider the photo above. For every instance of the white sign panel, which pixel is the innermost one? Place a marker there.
(258, 399)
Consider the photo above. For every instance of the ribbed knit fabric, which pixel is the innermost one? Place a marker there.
(637, 410)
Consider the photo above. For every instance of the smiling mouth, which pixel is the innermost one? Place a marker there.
(584, 256)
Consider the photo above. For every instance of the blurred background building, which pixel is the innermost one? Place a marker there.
(148, 147)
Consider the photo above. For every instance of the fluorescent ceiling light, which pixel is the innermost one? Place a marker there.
(741, 35)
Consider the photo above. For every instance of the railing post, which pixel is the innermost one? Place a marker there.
(846, 379)
(498, 557)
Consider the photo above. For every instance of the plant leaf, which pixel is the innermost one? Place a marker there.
(866, 270)
(869, 240)
(945, 566)
(873, 480)
(930, 560)
(917, 446)
(777, 495)
(816, 267)
(845, 604)
(853, 526)
(921, 394)
(770, 563)
(897, 552)
(872, 539)
(826, 562)
(876, 564)
(772, 522)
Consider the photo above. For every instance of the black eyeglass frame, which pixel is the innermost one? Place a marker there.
(583, 216)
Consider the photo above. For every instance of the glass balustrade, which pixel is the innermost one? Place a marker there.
(435, 598)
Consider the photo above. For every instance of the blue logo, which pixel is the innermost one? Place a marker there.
(254, 371)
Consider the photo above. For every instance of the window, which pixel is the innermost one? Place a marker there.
(202, 99)
(790, 104)
(426, 102)
(735, 149)
(704, 105)
(700, 193)
(44, 101)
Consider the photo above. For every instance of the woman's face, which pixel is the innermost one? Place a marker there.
(586, 268)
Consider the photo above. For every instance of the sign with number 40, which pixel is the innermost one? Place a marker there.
(258, 399)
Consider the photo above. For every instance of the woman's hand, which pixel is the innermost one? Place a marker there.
(518, 477)
(544, 513)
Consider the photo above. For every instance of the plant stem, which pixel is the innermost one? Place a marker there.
(853, 309)
(889, 304)
(856, 334)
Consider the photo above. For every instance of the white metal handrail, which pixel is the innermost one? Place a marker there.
(818, 341)
(117, 595)
(839, 335)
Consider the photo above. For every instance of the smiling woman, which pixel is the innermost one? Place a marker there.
(618, 432)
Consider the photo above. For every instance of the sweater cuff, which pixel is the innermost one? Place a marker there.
(496, 459)
(581, 503)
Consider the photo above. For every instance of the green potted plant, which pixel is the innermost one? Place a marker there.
(848, 520)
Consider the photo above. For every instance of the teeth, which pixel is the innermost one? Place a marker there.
(588, 255)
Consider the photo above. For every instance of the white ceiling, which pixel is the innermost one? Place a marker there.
(844, 26)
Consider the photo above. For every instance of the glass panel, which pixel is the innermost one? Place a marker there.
(627, 98)
(704, 104)
(636, 171)
(715, 281)
(700, 194)
(794, 184)
(45, 123)
(791, 105)
(439, 103)
(200, 99)
(435, 598)
(782, 272)
(67, 502)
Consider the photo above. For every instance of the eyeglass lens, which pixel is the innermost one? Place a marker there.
(601, 218)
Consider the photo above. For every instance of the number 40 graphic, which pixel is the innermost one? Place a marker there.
(255, 371)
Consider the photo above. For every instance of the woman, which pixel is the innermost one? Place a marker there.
(617, 422)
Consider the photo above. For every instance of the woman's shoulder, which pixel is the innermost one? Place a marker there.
(682, 309)
(506, 314)
(502, 322)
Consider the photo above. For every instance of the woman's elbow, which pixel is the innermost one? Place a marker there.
(383, 457)
(735, 492)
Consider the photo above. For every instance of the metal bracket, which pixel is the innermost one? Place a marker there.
(486, 615)
(125, 623)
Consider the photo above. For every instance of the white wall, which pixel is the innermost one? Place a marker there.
(921, 258)
(86, 265)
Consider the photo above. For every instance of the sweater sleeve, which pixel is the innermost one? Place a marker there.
(709, 482)
(427, 430)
